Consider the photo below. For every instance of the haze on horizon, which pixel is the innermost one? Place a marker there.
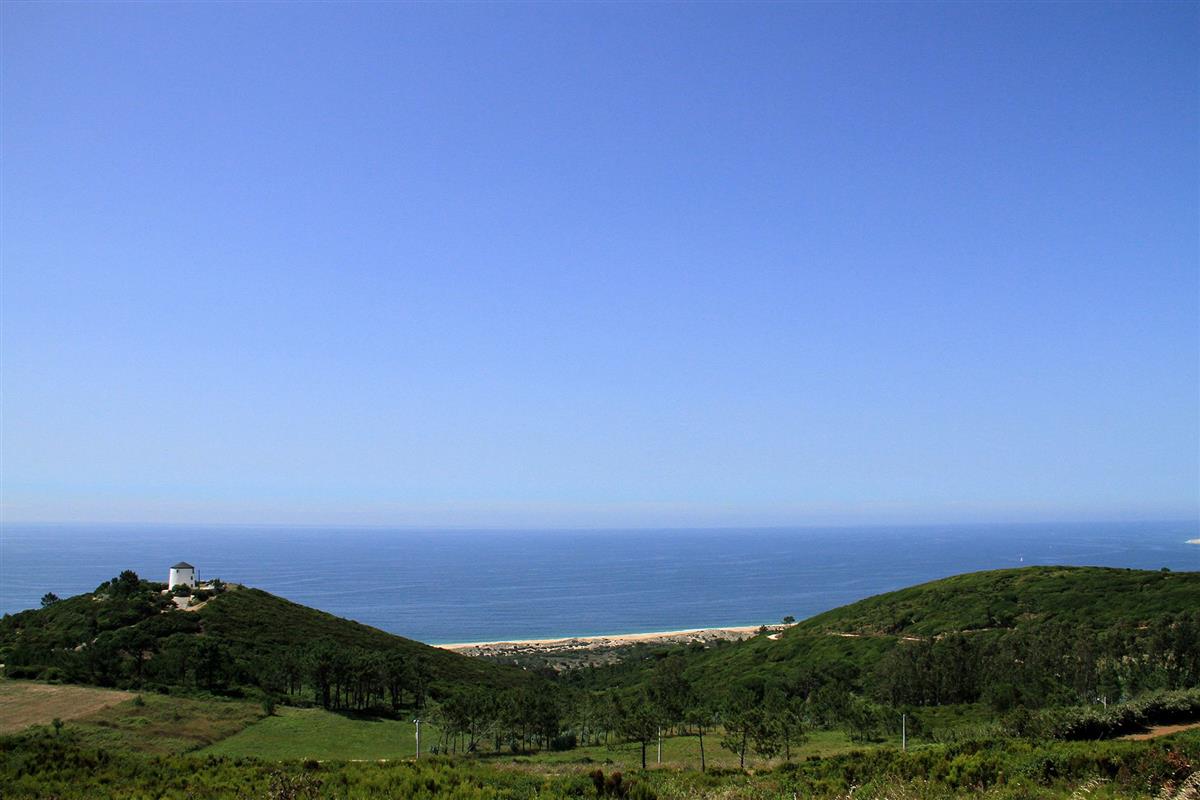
(599, 265)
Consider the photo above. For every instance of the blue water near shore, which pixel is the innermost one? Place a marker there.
(460, 586)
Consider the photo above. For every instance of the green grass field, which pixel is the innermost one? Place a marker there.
(302, 733)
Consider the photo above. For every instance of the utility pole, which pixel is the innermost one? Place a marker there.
(660, 745)
(904, 732)
(418, 722)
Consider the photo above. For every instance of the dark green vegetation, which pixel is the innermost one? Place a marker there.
(998, 677)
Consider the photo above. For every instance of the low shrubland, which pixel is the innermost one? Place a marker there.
(41, 764)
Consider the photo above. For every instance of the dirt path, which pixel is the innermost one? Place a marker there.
(875, 636)
(1161, 730)
(23, 704)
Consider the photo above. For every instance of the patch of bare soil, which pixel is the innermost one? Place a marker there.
(1161, 730)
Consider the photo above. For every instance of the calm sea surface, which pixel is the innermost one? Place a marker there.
(459, 586)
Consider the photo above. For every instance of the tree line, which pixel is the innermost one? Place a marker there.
(341, 678)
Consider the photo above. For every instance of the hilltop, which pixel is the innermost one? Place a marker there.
(129, 633)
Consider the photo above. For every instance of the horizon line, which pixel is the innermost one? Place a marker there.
(412, 528)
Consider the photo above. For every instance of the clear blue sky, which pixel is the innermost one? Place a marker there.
(600, 265)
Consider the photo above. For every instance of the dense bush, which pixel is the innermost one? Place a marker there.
(1097, 722)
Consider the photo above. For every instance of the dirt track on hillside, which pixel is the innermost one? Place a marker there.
(1161, 730)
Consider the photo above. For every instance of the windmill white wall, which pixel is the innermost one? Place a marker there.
(182, 573)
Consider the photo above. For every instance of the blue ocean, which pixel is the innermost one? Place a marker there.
(463, 586)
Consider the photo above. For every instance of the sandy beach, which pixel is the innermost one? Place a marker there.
(580, 645)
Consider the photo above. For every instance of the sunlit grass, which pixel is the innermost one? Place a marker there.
(313, 733)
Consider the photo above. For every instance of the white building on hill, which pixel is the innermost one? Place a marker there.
(182, 573)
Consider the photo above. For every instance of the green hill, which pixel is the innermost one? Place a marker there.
(1032, 636)
(1094, 597)
(130, 634)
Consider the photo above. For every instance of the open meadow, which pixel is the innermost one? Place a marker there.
(314, 733)
(25, 703)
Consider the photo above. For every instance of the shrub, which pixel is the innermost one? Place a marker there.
(293, 787)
